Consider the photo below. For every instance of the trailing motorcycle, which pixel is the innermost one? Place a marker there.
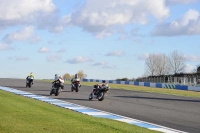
(99, 92)
(56, 88)
(76, 85)
(29, 81)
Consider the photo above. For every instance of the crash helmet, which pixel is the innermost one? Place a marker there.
(76, 76)
(56, 75)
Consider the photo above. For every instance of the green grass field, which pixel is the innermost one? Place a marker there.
(145, 89)
(19, 114)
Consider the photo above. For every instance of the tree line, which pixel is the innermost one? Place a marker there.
(157, 64)
(80, 73)
(162, 64)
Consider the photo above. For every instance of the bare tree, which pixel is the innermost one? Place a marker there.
(177, 61)
(162, 64)
(157, 64)
(150, 63)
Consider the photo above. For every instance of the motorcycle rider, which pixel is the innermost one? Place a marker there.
(102, 85)
(55, 78)
(30, 75)
(60, 80)
(73, 80)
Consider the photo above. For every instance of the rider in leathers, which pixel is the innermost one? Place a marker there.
(73, 80)
(30, 75)
(102, 85)
(55, 78)
(61, 81)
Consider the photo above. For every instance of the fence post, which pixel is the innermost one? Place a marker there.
(185, 79)
(175, 80)
(194, 79)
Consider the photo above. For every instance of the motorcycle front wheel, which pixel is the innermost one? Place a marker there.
(51, 92)
(57, 91)
(30, 83)
(90, 96)
(77, 87)
(101, 96)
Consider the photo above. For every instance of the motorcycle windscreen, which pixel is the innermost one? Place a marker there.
(31, 77)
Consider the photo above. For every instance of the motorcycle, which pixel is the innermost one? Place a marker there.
(56, 89)
(99, 93)
(29, 81)
(76, 85)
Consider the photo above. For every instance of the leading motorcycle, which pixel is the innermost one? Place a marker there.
(76, 85)
(99, 92)
(29, 81)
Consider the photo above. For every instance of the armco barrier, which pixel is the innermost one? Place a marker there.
(148, 84)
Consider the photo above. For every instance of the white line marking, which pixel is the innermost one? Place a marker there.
(94, 113)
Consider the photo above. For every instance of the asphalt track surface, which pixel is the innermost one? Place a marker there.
(175, 112)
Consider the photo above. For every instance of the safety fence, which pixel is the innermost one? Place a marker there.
(185, 80)
(149, 84)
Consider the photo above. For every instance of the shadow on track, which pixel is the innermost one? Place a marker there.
(153, 98)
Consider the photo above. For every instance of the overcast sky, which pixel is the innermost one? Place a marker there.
(107, 39)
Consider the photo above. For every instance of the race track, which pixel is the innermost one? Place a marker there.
(175, 112)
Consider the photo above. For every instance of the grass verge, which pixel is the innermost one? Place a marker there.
(192, 94)
(23, 115)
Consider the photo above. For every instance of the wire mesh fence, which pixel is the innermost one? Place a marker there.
(190, 80)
